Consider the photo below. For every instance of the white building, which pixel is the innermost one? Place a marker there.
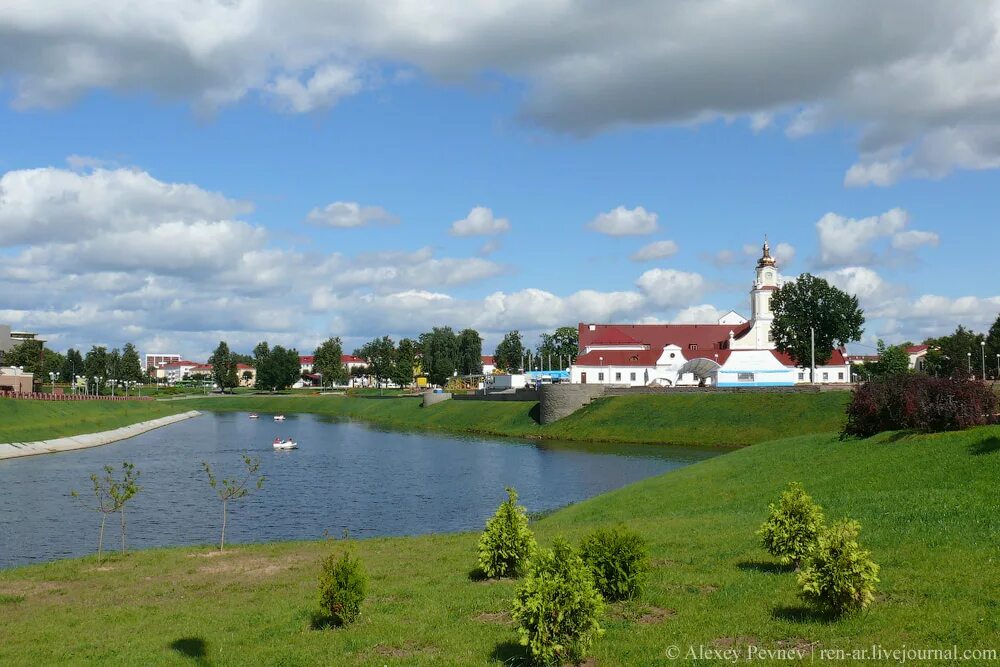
(489, 365)
(732, 352)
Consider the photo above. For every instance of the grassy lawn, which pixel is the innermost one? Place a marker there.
(27, 421)
(927, 505)
(682, 419)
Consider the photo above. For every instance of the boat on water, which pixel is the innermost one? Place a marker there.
(279, 418)
(254, 415)
(285, 443)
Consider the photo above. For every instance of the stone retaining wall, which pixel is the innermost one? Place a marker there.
(561, 400)
(527, 395)
(430, 398)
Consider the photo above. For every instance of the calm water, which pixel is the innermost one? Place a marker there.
(343, 476)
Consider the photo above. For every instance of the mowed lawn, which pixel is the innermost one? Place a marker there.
(28, 421)
(927, 504)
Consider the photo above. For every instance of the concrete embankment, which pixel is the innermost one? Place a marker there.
(14, 449)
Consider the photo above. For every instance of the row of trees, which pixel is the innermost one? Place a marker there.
(117, 365)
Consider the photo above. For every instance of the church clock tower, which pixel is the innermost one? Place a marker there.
(765, 283)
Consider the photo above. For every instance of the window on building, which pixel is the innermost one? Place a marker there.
(632, 377)
(600, 377)
(840, 376)
(802, 376)
(693, 346)
(618, 377)
(744, 377)
(826, 376)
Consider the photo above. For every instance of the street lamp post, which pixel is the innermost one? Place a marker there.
(969, 355)
(600, 362)
(982, 346)
(998, 366)
(52, 376)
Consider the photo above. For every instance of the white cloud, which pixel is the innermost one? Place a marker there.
(349, 214)
(669, 288)
(702, 314)
(784, 253)
(655, 250)
(925, 101)
(854, 241)
(622, 221)
(480, 222)
(870, 288)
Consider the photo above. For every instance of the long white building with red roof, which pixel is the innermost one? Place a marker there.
(732, 352)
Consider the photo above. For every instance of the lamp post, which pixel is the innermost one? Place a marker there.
(600, 363)
(998, 366)
(52, 376)
(969, 355)
(982, 347)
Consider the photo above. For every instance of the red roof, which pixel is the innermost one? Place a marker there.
(351, 359)
(306, 359)
(486, 359)
(836, 359)
(619, 358)
(657, 336)
(917, 349)
(244, 367)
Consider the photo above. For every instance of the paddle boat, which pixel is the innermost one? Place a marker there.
(279, 418)
(286, 443)
(254, 415)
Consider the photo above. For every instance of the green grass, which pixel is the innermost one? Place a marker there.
(927, 504)
(681, 419)
(27, 421)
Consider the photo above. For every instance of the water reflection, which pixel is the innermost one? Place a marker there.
(343, 476)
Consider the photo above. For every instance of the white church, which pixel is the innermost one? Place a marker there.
(732, 352)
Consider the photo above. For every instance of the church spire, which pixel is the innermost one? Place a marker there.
(766, 259)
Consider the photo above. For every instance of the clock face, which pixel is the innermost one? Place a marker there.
(767, 275)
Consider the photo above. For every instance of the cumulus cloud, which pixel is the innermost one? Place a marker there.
(655, 250)
(349, 214)
(924, 101)
(623, 221)
(670, 287)
(855, 241)
(701, 314)
(480, 222)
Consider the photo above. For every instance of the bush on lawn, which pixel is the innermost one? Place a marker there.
(917, 401)
(619, 560)
(558, 608)
(793, 526)
(839, 575)
(343, 585)
(507, 543)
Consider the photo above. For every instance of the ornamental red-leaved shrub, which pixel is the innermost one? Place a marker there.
(918, 402)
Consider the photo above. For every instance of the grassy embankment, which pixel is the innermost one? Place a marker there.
(927, 505)
(682, 419)
(28, 421)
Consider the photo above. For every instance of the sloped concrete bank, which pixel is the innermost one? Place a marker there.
(14, 449)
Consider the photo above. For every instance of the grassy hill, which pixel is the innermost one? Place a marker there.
(927, 504)
(28, 421)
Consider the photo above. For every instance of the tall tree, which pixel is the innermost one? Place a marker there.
(559, 348)
(114, 365)
(406, 363)
(72, 365)
(95, 364)
(131, 370)
(892, 360)
(28, 355)
(380, 354)
(954, 355)
(261, 361)
(279, 366)
(223, 367)
(439, 354)
(470, 352)
(509, 355)
(993, 350)
(328, 362)
(808, 303)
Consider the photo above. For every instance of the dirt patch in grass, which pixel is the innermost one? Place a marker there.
(656, 615)
(407, 650)
(695, 589)
(502, 617)
(662, 562)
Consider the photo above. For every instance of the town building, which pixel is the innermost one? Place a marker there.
(731, 352)
(489, 365)
(10, 339)
(156, 359)
(15, 380)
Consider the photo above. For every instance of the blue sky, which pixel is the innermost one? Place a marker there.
(548, 131)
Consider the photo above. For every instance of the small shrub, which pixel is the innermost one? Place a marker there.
(507, 543)
(558, 608)
(619, 560)
(342, 588)
(920, 402)
(839, 574)
(793, 526)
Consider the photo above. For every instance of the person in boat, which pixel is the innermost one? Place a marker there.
(277, 441)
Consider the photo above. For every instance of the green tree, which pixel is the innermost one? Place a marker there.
(558, 349)
(892, 360)
(223, 367)
(28, 355)
(509, 354)
(234, 489)
(439, 354)
(112, 495)
(95, 364)
(262, 362)
(993, 350)
(470, 352)
(405, 364)
(131, 370)
(380, 353)
(114, 364)
(52, 362)
(327, 361)
(953, 355)
(285, 369)
(812, 303)
(72, 365)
